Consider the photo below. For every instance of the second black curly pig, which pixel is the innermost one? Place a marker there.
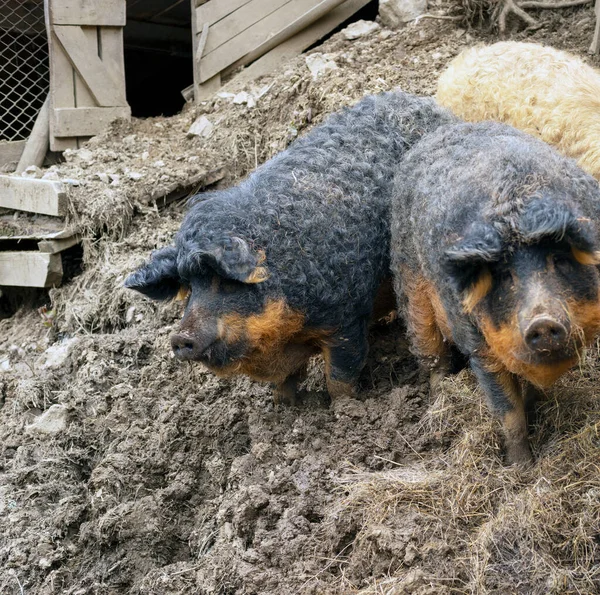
(288, 263)
(495, 250)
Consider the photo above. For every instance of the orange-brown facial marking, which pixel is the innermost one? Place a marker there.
(258, 275)
(182, 294)
(477, 291)
(585, 319)
(586, 258)
(505, 344)
(278, 342)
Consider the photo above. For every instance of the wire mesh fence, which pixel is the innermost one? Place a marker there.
(24, 72)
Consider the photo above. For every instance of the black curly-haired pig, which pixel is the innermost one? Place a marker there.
(288, 263)
(495, 252)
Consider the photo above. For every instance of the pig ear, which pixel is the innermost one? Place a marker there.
(481, 244)
(233, 258)
(158, 279)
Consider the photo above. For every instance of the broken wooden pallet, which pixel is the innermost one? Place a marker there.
(30, 250)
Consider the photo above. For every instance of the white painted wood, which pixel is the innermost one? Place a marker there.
(30, 269)
(595, 47)
(55, 246)
(11, 151)
(37, 143)
(213, 11)
(273, 29)
(295, 45)
(102, 83)
(109, 13)
(85, 121)
(35, 196)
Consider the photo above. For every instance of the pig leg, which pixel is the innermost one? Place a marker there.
(427, 338)
(345, 356)
(531, 396)
(292, 365)
(503, 392)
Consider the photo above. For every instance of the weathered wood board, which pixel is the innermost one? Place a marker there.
(10, 153)
(35, 196)
(30, 269)
(228, 32)
(595, 47)
(87, 71)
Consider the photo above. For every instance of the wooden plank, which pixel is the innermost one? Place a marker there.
(56, 246)
(101, 82)
(85, 121)
(35, 196)
(287, 50)
(62, 84)
(30, 269)
(10, 152)
(215, 10)
(37, 143)
(208, 88)
(89, 12)
(595, 47)
(240, 20)
(272, 29)
(112, 53)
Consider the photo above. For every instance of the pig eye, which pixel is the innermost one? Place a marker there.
(563, 261)
(504, 277)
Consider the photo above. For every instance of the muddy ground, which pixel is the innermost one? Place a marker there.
(125, 471)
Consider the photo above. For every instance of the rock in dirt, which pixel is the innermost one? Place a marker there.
(57, 354)
(319, 64)
(244, 97)
(359, 29)
(53, 421)
(202, 126)
(393, 13)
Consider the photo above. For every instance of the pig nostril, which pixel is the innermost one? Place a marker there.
(546, 335)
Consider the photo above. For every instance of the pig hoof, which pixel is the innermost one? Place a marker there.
(519, 455)
(339, 390)
(285, 393)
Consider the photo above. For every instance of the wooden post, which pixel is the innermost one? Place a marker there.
(36, 146)
(595, 47)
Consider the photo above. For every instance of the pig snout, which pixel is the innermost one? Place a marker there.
(545, 335)
(193, 344)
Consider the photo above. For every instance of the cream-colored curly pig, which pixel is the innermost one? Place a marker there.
(540, 90)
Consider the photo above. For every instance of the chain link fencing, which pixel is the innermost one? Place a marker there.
(24, 71)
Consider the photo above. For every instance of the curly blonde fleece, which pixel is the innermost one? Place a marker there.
(540, 90)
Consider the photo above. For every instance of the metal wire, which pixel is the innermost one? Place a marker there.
(24, 72)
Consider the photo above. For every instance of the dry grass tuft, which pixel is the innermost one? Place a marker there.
(477, 526)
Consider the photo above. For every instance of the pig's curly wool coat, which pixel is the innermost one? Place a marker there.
(541, 90)
(494, 184)
(319, 210)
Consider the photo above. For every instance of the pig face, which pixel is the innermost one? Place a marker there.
(532, 291)
(230, 314)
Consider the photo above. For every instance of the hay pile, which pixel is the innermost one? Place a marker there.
(477, 526)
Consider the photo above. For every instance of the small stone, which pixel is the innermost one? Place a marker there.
(53, 421)
(244, 97)
(436, 55)
(57, 354)
(84, 155)
(226, 95)
(159, 163)
(135, 175)
(319, 64)
(72, 182)
(51, 175)
(144, 155)
(44, 563)
(202, 126)
(103, 177)
(32, 172)
(129, 314)
(359, 29)
(394, 13)
(115, 179)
